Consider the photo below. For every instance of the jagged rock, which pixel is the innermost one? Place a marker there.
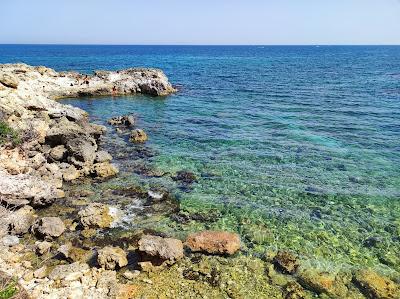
(111, 258)
(21, 220)
(43, 247)
(70, 173)
(162, 248)
(96, 215)
(374, 286)
(102, 156)
(48, 227)
(286, 262)
(104, 170)
(9, 80)
(125, 120)
(37, 161)
(75, 254)
(138, 136)
(58, 153)
(108, 281)
(82, 151)
(214, 242)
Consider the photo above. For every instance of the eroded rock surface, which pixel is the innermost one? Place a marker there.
(111, 258)
(166, 249)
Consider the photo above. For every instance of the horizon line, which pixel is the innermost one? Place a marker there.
(197, 45)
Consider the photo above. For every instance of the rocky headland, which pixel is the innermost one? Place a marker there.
(46, 145)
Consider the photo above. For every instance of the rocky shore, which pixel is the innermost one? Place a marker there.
(45, 146)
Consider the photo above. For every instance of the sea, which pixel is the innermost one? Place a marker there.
(293, 147)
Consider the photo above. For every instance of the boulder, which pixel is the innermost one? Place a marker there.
(21, 220)
(125, 120)
(138, 136)
(286, 262)
(372, 285)
(75, 254)
(104, 170)
(165, 249)
(96, 215)
(214, 242)
(70, 173)
(111, 258)
(82, 150)
(51, 227)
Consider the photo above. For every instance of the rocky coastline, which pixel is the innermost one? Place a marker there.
(47, 145)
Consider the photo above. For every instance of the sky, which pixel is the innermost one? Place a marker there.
(209, 22)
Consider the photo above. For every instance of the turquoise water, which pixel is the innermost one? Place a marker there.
(294, 147)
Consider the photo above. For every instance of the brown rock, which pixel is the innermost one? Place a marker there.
(162, 248)
(214, 242)
(43, 247)
(104, 170)
(374, 286)
(286, 262)
(138, 136)
(96, 215)
(127, 291)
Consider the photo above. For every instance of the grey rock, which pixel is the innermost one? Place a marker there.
(9, 240)
(48, 227)
(69, 272)
(58, 153)
(163, 248)
(102, 156)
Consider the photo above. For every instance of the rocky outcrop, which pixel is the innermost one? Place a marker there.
(373, 285)
(58, 142)
(138, 136)
(214, 242)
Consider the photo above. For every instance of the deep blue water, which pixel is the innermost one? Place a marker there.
(280, 132)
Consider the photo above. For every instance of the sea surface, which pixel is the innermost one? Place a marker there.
(294, 147)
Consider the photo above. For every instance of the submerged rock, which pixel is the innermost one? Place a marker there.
(286, 262)
(111, 258)
(166, 249)
(186, 177)
(373, 285)
(138, 136)
(96, 215)
(51, 227)
(214, 242)
(125, 120)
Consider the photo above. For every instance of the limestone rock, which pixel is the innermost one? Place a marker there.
(104, 170)
(48, 227)
(40, 273)
(21, 220)
(102, 156)
(69, 272)
(373, 285)
(214, 242)
(96, 215)
(111, 258)
(70, 173)
(162, 248)
(58, 153)
(138, 136)
(125, 120)
(9, 240)
(9, 80)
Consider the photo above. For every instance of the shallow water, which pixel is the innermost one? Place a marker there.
(294, 147)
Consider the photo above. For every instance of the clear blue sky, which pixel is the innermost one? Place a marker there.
(200, 22)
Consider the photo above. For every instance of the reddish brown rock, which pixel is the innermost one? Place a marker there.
(375, 286)
(214, 242)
